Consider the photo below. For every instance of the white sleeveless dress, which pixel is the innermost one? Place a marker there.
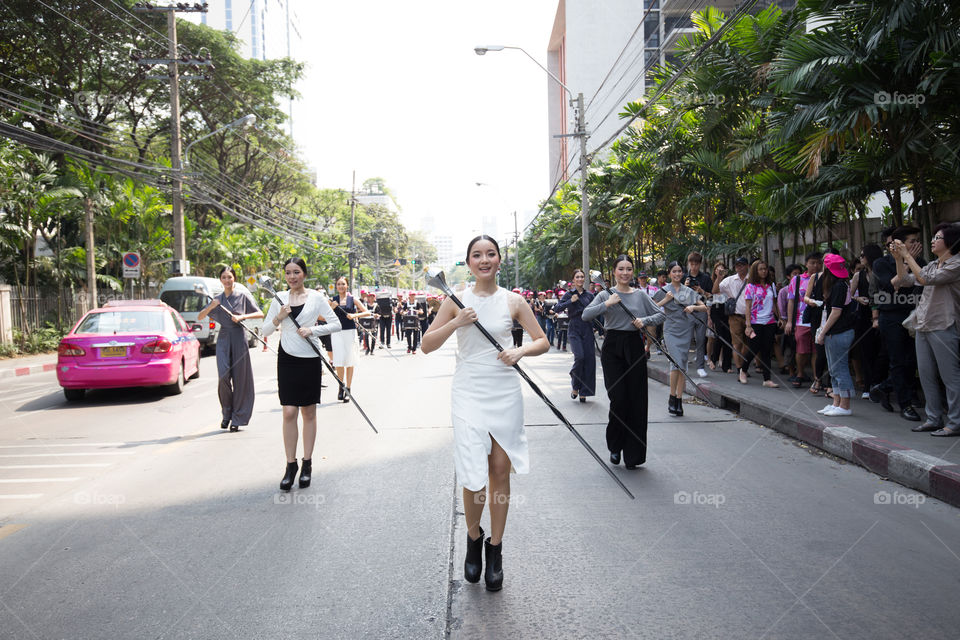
(486, 398)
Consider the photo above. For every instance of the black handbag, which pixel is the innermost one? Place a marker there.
(811, 313)
(730, 306)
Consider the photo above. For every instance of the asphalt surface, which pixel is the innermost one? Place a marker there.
(173, 528)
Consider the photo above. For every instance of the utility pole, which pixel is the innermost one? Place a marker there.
(376, 271)
(353, 206)
(180, 266)
(516, 258)
(584, 200)
(91, 263)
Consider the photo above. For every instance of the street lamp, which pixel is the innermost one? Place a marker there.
(581, 134)
(241, 123)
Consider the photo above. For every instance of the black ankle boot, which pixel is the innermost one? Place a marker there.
(340, 394)
(346, 395)
(672, 407)
(494, 573)
(305, 471)
(678, 407)
(289, 476)
(473, 563)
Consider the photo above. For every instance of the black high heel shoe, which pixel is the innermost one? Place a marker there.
(225, 423)
(473, 563)
(494, 573)
(340, 394)
(305, 472)
(679, 407)
(289, 476)
(346, 395)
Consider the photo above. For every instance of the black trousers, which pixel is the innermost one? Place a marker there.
(624, 363)
(721, 344)
(761, 347)
(385, 322)
(902, 377)
(413, 339)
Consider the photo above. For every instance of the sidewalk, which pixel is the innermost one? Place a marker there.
(873, 438)
(26, 365)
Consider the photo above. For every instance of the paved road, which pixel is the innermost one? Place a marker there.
(135, 516)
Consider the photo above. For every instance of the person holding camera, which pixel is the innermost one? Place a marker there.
(937, 337)
(895, 304)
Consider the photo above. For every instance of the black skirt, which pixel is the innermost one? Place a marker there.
(298, 380)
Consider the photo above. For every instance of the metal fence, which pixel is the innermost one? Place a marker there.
(32, 308)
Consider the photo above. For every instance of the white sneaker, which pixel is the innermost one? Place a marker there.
(826, 409)
(865, 395)
(702, 372)
(837, 411)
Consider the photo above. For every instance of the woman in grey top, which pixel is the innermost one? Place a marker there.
(235, 388)
(624, 362)
(679, 303)
(938, 337)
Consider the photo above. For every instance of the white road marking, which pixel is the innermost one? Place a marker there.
(79, 465)
(63, 455)
(65, 444)
(28, 480)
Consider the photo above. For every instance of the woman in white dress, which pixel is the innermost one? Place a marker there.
(487, 406)
(344, 342)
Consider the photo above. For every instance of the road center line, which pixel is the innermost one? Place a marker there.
(79, 465)
(64, 455)
(65, 444)
(29, 480)
(8, 529)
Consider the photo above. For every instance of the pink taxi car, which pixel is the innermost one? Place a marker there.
(128, 343)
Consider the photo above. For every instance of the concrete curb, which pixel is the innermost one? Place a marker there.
(16, 372)
(934, 476)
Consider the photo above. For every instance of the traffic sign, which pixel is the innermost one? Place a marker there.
(131, 264)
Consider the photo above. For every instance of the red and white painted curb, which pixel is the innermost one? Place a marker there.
(16, 372)
(934, 476)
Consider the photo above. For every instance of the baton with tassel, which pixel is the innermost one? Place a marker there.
(268, 287)
(435, 278)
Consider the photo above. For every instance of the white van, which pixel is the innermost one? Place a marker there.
(181, 294)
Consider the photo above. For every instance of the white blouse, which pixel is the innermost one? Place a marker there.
(315, 306)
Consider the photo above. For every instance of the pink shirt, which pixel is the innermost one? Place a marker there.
(761, 296)
(792, 289)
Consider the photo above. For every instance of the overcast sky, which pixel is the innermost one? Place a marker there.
(395, 90)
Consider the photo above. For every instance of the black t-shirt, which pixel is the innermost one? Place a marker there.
(838, 299)
(701, 279)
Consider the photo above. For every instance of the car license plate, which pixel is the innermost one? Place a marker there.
(113, 352)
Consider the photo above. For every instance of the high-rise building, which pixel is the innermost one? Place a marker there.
(267, 29)
(606, 51)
